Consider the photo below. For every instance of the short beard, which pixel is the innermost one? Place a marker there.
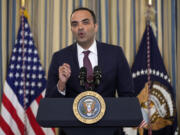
(86, 44)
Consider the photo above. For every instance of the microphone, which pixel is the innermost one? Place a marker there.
(82, 76)
(97, 75)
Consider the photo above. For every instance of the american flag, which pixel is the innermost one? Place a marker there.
(24, 87)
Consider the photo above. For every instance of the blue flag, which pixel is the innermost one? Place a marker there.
(161, 94)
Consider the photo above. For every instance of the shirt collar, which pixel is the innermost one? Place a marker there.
(92, 49)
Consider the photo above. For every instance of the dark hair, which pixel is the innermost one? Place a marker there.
(87, 9)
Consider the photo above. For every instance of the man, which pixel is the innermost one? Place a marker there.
(63, 73)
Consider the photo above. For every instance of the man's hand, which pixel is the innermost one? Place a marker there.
(64, 74)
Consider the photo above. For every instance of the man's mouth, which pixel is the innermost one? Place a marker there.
(81, 34)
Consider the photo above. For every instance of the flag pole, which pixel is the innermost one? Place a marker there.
(24, 80)
(148, 19)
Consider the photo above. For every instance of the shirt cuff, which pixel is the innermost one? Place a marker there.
(62, 92)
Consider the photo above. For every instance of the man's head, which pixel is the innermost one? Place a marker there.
(87, 9)
(84, 26)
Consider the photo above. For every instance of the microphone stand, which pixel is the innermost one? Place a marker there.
(82, 76)
(97, 76)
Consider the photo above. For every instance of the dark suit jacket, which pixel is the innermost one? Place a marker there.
(116, 74)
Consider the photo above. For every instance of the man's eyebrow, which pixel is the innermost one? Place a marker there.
(86, 19)
(74, 22)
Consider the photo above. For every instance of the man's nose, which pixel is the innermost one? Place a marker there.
(80, 27)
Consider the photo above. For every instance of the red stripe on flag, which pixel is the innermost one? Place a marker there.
(8, 105)
(53, 129)
(39, 98)
(142, 124)
(5, 127)
(37, 129)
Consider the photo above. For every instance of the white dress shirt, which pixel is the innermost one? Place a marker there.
(93, 56)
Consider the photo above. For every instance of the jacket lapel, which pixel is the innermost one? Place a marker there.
(100, 62)
(100, 55)
(75, 57)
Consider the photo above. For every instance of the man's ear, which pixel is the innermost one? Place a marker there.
(96, 27)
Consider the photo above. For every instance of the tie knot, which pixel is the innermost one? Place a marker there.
(86, 53)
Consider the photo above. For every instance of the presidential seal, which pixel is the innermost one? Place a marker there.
(162, 108)
(89, 107)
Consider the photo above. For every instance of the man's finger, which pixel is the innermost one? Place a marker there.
(67, 65)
